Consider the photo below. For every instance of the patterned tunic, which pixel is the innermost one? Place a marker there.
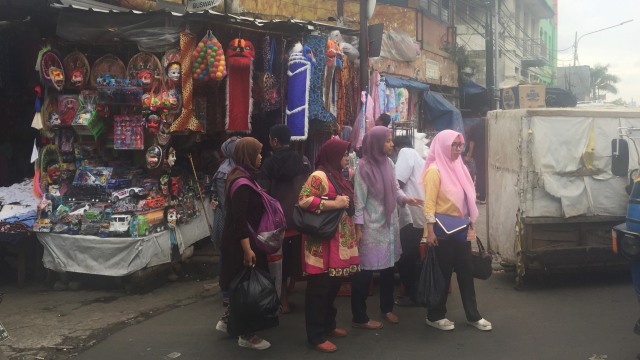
(380, 245)
(339, 255)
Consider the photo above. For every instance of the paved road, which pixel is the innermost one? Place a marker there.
(567, 317)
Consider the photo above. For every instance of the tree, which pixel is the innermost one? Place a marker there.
(601, 80)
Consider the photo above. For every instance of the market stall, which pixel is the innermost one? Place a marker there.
(131, 110)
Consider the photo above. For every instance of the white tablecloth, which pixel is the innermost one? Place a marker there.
(117, 256)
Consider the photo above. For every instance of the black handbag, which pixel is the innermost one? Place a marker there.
(481, 260)
(322, 225)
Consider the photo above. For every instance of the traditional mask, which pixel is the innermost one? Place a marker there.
(53, 174)
(171, 157)
(145, 77)
(153, 156)
(51, 69)
(77, 77)
(164, 184)
(153, 123)
(174, 71)
(164, 135)
(172, 217)
(176, 186)
(240, 48)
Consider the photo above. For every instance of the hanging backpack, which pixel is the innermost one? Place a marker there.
(269, 235)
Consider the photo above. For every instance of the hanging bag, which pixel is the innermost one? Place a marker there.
(322, 225)
(481, 260)
(430, 285)
(269, 234)
(254, 302)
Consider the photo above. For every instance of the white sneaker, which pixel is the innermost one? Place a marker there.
(255, 342)
(221, 326)
(442, 324)
(481, 324)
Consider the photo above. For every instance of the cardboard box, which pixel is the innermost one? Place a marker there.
(532, 96)
(509, 98)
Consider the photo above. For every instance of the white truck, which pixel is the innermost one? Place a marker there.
(552, 199)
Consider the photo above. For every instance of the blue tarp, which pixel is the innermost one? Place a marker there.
(442, 114)
(471, 88)
(395, 82)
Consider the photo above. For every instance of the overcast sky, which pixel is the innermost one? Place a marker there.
(619, 46)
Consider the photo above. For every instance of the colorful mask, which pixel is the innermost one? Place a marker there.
(76, 67)
(153, 156)
(164, 184)
(51, 70)
(153, 123)
(144, 68)
(240, 48)
(176, 186)
(164, 136)
(53, 174)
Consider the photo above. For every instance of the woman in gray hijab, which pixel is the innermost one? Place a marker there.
(219, 182)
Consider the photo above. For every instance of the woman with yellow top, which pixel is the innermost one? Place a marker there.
(449, 191)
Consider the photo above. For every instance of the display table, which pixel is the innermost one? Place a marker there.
(118, 256)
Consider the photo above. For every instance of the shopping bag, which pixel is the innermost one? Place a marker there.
(431, 286)
(481, 260)
(254, 302)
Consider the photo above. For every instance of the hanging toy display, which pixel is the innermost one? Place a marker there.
(51, 70)
(153, 157)
(107, 67)
(299, 77)
(240, 54)
(208, 59)
(153, 123)
(67, 108)
(76, 68)
(144, 69)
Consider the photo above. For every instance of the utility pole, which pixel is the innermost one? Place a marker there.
(488, 36)
(364, 46)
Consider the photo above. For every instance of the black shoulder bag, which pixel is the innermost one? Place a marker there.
(322, 225)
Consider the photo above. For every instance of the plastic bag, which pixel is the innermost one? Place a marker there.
(430, 286)
(254, 302)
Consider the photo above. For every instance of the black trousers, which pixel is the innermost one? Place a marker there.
(452, 254)
(408, 267)
(320, 310)
(360, 291)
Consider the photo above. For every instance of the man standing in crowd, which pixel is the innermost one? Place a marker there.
(283, 175)
(409, 167)
(475, 151)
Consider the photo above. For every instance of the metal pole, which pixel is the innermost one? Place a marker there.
(488, 36)
(364, 46)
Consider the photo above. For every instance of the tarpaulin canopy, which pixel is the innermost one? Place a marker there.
(471, 88)
(395, 82)
(442, 114)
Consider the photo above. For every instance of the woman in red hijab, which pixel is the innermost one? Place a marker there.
(327, 262)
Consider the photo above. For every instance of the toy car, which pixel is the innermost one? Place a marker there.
(113, 184)
(88, 193)
(79, 210)
(121, 194)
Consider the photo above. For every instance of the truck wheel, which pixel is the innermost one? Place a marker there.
(146, 232)
(131, 192)
(115, 199)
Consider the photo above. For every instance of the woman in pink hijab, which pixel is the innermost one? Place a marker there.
(450, 199)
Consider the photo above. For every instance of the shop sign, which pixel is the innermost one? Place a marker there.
(201, 5)
(432, 69)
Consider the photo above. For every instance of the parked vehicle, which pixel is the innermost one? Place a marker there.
(552, 198)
